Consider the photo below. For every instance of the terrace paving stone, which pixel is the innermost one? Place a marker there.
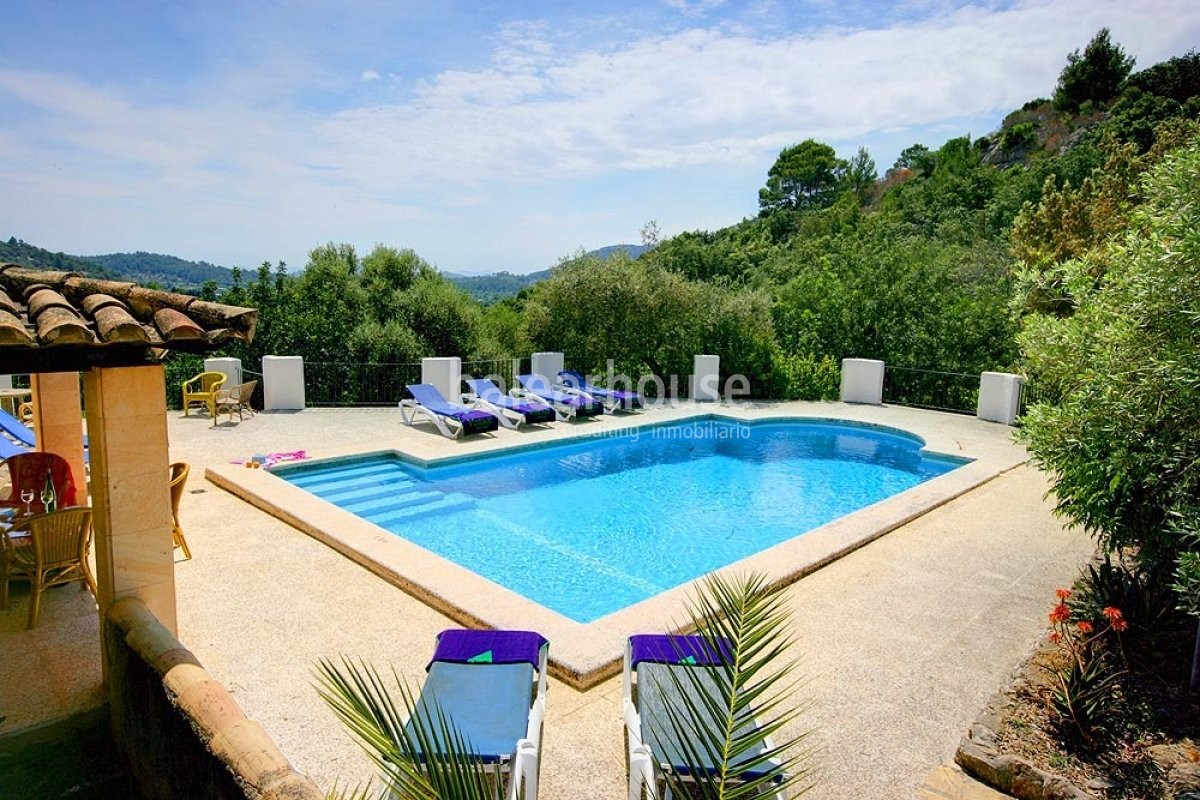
(902, 640)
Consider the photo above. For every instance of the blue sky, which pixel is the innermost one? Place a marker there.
(487, 135)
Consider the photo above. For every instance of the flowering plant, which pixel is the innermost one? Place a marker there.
(1083, 684)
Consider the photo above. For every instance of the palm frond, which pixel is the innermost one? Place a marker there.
(729, 718)
(419, 751)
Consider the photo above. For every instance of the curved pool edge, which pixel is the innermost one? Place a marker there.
(583, 655)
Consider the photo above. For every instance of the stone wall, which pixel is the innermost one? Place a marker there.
(181, 733)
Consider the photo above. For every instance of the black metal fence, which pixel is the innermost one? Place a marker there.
(339, 383)
(957, 392)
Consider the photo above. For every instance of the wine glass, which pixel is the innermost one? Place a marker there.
(27, 496)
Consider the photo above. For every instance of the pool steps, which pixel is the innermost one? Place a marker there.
(373, 492)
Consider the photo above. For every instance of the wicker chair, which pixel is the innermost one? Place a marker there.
(203, 390)
(55, 552)
(179, 476)
(236, 398)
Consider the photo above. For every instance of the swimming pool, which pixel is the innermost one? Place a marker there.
(591, 525)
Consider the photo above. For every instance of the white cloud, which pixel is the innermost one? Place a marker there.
(238, 162)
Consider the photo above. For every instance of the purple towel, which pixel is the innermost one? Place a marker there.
(459, 646)
(665, 648)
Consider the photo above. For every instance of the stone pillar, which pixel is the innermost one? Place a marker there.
(862, 381)
(548, 365)
(58, 420)
(131, 496)
(231, 368)
(706, 378)
(999, 397)
(283, 383)
(445, 374)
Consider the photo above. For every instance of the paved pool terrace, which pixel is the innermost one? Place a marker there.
(585, 654)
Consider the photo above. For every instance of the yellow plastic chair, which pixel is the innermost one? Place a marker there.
(179, 476)
(203, 389)
(54, 552)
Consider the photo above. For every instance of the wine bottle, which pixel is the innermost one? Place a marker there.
(49, 500)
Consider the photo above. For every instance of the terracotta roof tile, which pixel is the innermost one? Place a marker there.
(43, 310)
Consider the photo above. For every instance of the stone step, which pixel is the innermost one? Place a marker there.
(949, 782)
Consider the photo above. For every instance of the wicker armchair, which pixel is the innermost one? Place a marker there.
(203, 390)
(179, 476)
(236, 398)
(46, 550)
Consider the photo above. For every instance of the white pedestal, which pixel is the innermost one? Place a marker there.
(283, 383)
(999, 397)
(548, 365)
(231, 367)
(445, 374)
(862, 381)
(706, 379)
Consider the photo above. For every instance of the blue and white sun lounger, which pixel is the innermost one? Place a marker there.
(656, 660)
(24, 435)
(511, 412)
(567, 402)
(451, 420)
(484, 683)
(613, 399)
(9, 448)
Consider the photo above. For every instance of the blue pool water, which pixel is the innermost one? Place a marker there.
(590, 526)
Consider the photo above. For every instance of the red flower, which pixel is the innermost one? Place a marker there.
(1062, 594)
(1060, 613)
(1055, 637)
(1119, 625)
(1084, 627)
(1113, 613)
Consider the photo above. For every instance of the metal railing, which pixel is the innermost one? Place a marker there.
(340, 383)
(956, 392)
(1031, 394)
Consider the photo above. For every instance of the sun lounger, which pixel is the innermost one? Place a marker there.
(668, 670)
(484, 683)
(567, 402)
(451, 419)
(613, 399)
(24, 435)
(9, 448)
(511, 412)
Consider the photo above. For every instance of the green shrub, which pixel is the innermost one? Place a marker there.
(806, 377)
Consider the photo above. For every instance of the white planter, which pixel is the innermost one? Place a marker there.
(862, 381)
(548, 365)
(999, 397)
(283, 383)
(445, 374)
(706, 378)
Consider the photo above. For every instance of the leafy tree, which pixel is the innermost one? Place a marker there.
(1123, 442)
(1176, 78)
(805, 176)
(645, 318)
(860, 175)
(916, 157)
(1095, 76)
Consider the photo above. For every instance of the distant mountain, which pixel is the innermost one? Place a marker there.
(164, 270)
(169, 272)
(27, 255)
(493, 288)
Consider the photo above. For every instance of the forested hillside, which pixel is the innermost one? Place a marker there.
(163, 270)
(932, 265)
(492, 288)
(151, 269)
